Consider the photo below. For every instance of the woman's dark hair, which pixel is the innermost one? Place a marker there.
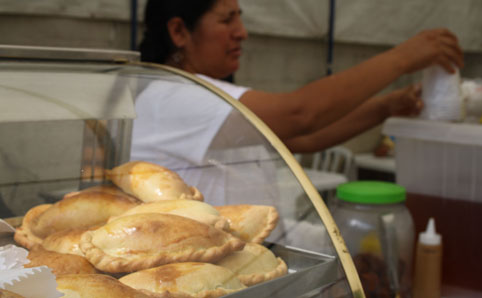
(156, 45)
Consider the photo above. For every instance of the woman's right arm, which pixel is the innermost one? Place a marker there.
(320, 103)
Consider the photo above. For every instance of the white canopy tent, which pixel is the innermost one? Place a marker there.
(383, 22)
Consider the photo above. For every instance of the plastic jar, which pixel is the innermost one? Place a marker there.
(379, 234)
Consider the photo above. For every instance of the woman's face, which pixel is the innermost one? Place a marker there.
(214, 46)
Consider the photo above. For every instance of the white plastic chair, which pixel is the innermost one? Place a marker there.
(333, 160)
(329, 168)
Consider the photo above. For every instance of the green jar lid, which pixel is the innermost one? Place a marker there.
(371, 192)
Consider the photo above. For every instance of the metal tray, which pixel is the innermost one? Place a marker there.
(308, 272)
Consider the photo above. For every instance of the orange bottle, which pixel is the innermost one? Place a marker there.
(428, 264)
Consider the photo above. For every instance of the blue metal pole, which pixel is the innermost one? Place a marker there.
(133, 25)
(331, 29)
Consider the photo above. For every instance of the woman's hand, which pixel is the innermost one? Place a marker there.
(436, 46)
(403, 102)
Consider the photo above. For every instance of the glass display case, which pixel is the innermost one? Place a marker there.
(68, 115)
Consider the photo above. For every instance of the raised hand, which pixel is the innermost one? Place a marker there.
(404, 102)
(436, 46)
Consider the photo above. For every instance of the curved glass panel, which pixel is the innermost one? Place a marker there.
(186, 127)
(81, 122)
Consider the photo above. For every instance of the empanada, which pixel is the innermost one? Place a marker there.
(111, 189)
(150, 182)
(188, 279)
(251, 223)
(82, 210)
(23, 234)
(141, 241)
(95, 285)
(196, 210)
(59, 263)
(66, 242)
(8, 294)
(254, 264)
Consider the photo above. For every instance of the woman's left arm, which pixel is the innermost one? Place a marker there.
(401, 102)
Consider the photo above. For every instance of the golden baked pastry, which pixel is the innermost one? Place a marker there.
(66, 242)
(23, 234)
(251, 223)
(141, 241)
(83, 210)
(59, 263)
(254, 264)
(188, 279)
(196, 210)
(150, 182)
(111, 189)
(8, 294)
(95, 285)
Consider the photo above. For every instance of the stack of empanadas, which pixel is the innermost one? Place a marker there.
(95, 285)
(187, 279)
(150, 182)
(251, 223)
(196, 210)
(153, 231)
(60, 263)
(254, 264)
(81, 210)
(145, 240)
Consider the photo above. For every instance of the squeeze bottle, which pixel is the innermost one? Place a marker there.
(428, 263)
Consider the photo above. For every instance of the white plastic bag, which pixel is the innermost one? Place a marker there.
(441, 94)
(472, 97)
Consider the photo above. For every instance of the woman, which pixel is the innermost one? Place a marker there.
(204, 37)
